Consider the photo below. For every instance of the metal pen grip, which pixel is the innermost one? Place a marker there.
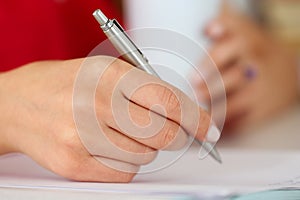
(127, 48)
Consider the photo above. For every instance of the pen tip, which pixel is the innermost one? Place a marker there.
(216, 156)
(219, 160)
(100, 17)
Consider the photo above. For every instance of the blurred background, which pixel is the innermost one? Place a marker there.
(267, 38)
(281, 17)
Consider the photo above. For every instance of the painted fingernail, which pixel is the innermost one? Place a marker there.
(215, 30)
(250, 72)
(213, 134)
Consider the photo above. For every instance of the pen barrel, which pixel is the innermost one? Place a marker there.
(127, 48)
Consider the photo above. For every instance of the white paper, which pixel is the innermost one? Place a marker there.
(242, 171)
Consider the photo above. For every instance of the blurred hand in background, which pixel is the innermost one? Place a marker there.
(259, 73)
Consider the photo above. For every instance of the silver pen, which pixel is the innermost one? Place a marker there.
(131, 53)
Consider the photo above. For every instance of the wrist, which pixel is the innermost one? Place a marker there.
(4, 147)
(6, 117)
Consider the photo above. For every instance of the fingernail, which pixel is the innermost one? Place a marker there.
(213, 134)
(215, 30)
(250, 72)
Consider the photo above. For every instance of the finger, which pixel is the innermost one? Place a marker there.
(99, 169)
(234, 79)
(224, 54)
(213, 89)
(118, 165)
(151, 129)
(237, 107)
(170, 103)
(236, 104)
(118, 146)
(225, 24)
(212, 79)
(220, 27)
(215, 30)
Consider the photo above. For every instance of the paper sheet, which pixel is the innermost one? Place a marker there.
(242, 171)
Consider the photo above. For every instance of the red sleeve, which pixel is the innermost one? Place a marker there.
(49, 29)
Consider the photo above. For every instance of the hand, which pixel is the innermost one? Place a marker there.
(39, 119)
(259, 73)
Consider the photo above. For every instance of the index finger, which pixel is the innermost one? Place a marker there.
(160, 97)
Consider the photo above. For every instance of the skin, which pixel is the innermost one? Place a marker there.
(37, 118)
(238, 44)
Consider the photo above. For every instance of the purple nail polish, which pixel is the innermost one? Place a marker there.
(250, 73)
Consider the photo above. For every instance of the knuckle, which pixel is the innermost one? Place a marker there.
(121, 66)
(168, 136)
(69, 139)
(169, 98)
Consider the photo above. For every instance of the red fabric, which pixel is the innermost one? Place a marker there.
(33, 30)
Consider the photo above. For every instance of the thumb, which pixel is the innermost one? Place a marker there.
(222, 25)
